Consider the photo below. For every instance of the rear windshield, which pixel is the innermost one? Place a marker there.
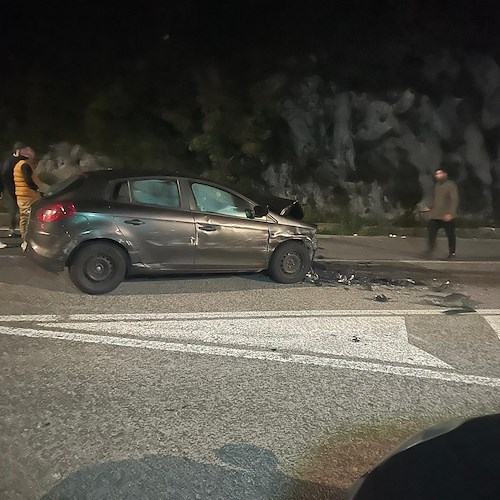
(65, 185)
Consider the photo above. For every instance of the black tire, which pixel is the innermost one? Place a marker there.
(290, 263)
(98, 268)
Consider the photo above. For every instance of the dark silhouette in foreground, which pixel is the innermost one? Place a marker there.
(458, 460)
(248, 472)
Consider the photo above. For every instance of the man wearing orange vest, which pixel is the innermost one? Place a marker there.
(27, 191)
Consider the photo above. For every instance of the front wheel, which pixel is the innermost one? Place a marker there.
(290, 263)
(98, 268)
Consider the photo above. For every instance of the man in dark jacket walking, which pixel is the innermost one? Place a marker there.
(442, 212)
(7, 187)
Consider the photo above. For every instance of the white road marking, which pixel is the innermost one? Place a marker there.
(486, 263)
(494, 322)
(239, 314)
(324, 335)
(257, 355)
(383, 339)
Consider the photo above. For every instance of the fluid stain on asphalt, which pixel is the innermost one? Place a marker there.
(342, 459)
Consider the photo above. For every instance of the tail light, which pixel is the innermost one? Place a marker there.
(56, 211)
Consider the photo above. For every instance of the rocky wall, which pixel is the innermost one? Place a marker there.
(381, 148)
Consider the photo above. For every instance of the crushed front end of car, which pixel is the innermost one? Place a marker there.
(289, 226)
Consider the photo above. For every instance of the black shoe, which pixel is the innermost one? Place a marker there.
(427, 254)
(451, 256)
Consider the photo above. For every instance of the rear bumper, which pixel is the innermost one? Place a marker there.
(54, 264)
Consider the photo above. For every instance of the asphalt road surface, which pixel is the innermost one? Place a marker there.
(235, 386)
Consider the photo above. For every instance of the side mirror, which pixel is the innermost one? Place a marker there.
(260, 211)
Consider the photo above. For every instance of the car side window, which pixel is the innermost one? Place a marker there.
(121, 193)
(214, 200)
(159, 192)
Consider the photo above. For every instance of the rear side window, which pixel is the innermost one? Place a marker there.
(158, 192)
(121, 193)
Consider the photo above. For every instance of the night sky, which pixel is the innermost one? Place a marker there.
(56, 56)
(74, 38)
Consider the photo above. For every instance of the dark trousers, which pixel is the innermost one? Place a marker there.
(10, 203)
(449, 227)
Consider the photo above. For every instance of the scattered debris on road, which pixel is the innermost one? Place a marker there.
(442, 286)
(368, 277)
(453, 300)
(322, 275)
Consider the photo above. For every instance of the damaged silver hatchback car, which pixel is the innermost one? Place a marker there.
(106, 225)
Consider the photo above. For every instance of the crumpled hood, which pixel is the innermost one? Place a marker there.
(286, 208)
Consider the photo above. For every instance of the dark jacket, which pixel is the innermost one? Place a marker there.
(7, 175)
(445, 200)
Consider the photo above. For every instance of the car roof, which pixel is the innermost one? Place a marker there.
(109, 175)
(112, 174)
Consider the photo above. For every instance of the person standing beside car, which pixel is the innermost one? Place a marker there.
(27, 190)
(7, 187)
(442, 212)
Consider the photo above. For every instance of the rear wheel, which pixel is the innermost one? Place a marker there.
(290, 263)
(98, 268)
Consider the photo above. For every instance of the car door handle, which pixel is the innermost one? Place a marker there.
(134, 222)
(207, 227)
